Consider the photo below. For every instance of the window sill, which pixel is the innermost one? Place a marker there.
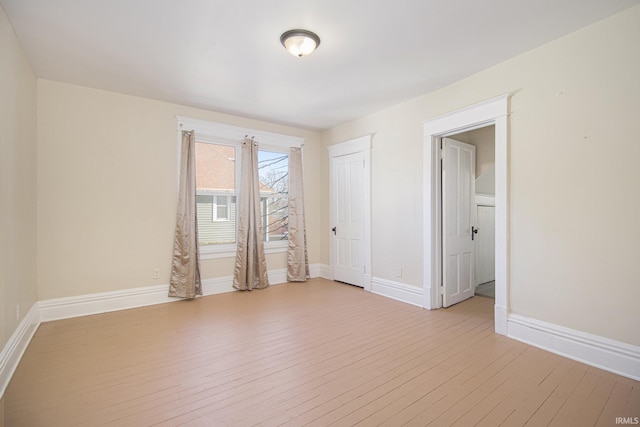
(229, 251)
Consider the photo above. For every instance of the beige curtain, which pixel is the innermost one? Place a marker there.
(251, 266)
(297, 258)
(185, 269)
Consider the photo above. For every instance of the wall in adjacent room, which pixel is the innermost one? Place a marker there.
(484, 141)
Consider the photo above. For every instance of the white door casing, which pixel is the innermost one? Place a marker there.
(458, 220)
(490, 112)
(350, 212)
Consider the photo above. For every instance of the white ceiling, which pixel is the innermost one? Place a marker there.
(226, 55)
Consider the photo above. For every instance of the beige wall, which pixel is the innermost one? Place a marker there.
(574, 178)
(17, 181)
(107, 170)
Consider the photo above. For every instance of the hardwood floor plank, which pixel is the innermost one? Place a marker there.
(355, 374)
(430, 401)
(616, 405)
(514, 390)
(576, 402)
(394, 403)
(516, 411)
(360, 401)
(633, 405)
(316, 353)
(548, 410)
(596, 402)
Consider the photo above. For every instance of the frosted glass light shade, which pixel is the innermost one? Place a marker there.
(300, 42)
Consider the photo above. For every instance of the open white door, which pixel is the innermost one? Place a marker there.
(347, 218)
(458, 218)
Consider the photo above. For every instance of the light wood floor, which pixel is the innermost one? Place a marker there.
(318, 353)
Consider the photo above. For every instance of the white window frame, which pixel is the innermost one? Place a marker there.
(219, 133)
(214, 213)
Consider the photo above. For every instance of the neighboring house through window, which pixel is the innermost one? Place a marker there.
(217, 181)
(216, 192)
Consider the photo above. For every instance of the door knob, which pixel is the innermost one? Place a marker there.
(474, 231)
(334, 230)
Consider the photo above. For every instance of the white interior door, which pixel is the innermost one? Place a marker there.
(485, 245)
(458, 218)
(347, 218)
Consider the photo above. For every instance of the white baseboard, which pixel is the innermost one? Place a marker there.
(398, 291)
(15, 347)
(103, 302)
(610, 355)
(500, 319)
(84, 305)
(224, 284)
(367, 283)
(321, 270)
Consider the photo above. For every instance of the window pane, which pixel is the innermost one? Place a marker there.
(221, 208)
(273, 169)
(215, 191)
(275, 218)
(215, 167)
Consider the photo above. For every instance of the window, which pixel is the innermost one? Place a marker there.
(273, 169)
(217, 182)
(216, 193)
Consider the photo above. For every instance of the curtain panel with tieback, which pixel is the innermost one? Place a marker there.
(251, 265)
(185, 269)
(297, 257)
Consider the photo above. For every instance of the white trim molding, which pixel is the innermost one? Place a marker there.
(356, 145)
(485, 199)
(398, 291)
(228, 133)
(321, 270)
(104, 302)
(610, 355)
(14, 348)
(229, 250)
(491, 112)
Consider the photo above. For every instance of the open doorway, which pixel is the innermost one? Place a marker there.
(491, 112)
(483, 208)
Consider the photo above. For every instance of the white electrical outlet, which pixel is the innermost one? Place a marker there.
(17, 312)
(156, 273)
(398, 272)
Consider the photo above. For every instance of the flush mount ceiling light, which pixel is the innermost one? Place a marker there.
(300, 42)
